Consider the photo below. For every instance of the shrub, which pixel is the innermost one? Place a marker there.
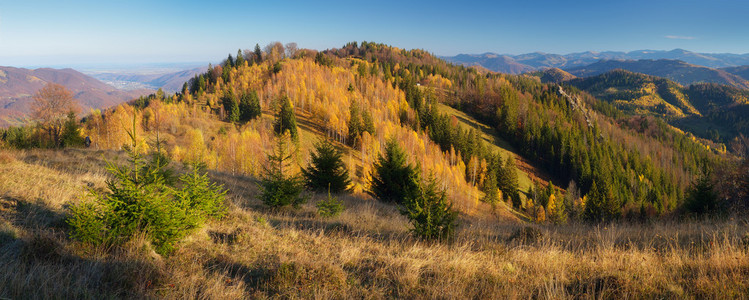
(326, 169)
(277, 187)
(330, 207)
(429, 212)
(141, 199)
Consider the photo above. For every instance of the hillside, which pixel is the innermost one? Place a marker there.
(710, 111)
(18, 85)
(678, 71)
(516, 64)
(638, 93)
(553, 194)
(553, 75)
(742, 71)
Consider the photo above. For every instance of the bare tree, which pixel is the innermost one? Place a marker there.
(291, 49)
(274, 51)
(50, 108)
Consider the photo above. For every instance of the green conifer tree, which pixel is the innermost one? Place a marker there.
(326, 170)
(393, 178)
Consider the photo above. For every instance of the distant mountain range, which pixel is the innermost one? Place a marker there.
(170, 82)
(17, 86)
(676, 70)
(516, 64)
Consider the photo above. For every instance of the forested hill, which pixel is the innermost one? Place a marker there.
(632, 171)
(363, 95)
(711, 111)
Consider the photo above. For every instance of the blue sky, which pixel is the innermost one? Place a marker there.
(59, 33)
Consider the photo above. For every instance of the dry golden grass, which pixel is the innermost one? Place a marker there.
(366, 252)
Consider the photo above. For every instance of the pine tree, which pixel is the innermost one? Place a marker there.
(393, 178)
(240, 59)
(326, 170)
(71, 134)
(508, 181)
(429, 212)
(285, 120)
(600, 205)
(249, 106)
(258, 54)
(278, 187)
(702, 198)
(231, 106)
(490, 184)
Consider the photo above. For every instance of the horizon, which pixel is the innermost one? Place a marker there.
(48, 33)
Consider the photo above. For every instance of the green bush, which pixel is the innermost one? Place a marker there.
(330, 207)
(141, 199)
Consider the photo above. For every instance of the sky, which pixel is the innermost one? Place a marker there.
(78, 32)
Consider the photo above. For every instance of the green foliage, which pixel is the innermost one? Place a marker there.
(278, 188)
(326, 169)
(249, 106)
(393, 178)
(429, 212)
(285, 120)
(508, 180)
(139, 199)
(701, 196)
(231, 106)
(330, 207)
(601, 205)
(22, 137)
(71, 132)
(490, 185)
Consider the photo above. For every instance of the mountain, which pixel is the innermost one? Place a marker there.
(540, 60)
(678, 71)
(18, 85)
(553, 75)
(708, 110)
(170, 82)
(742, 71)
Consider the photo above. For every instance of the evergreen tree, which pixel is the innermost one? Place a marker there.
(508, 181)
(491, 182)
(278, 187)
(240, 59)
(601, 206)
(701, 196)
(354, 126)
(231, 106)
(249, 106)
(429, 212)
(71, 133)
(258, 54)
(285, 120)
(393, 178)
(326, 170)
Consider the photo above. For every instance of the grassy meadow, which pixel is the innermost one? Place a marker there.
(366, 252)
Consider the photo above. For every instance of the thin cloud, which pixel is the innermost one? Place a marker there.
(679, 37)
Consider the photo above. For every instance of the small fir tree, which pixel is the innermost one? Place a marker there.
(429, 212)
(285, 120)
(326, 169)
(278, 187)
(393, 178)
